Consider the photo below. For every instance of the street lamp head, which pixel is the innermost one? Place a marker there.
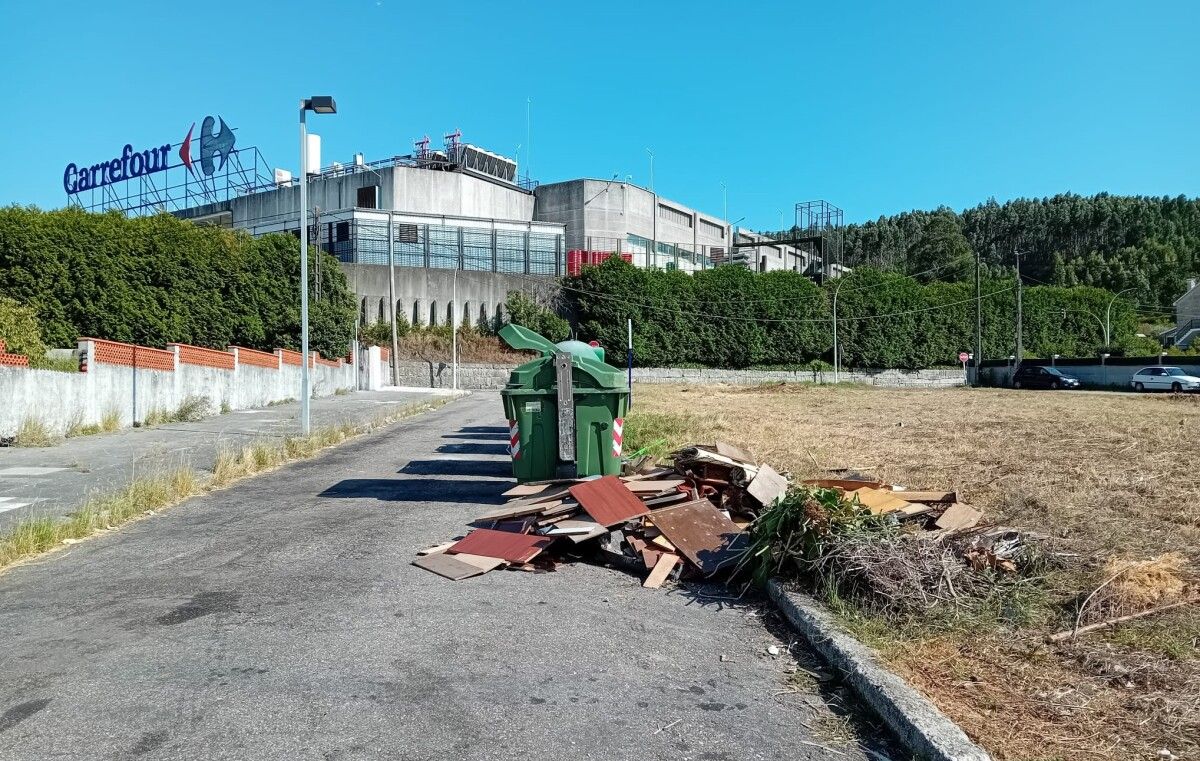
(322, 104)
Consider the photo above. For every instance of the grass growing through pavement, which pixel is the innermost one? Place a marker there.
(110, 422)
(33, 432)
(1104, 475)
(40, 534)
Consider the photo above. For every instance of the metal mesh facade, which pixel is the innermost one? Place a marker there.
(445, 247)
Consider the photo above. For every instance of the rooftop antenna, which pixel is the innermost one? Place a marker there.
(451, 141)
(528, 137)
(421, 149)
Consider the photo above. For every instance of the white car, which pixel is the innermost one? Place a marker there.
(1164, 379)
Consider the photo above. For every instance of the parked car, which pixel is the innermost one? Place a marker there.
(1037, 376)
(1164, 379)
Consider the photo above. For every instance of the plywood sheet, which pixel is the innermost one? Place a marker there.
(608, 501)
(878, 501)
(526, 490)
(702, 533)
(767, 485)
(506, 545)
(448, 566)
(516, 511)
(653, 486)
(844, 484)
(735, 453)
(485, 564)
(958, 517)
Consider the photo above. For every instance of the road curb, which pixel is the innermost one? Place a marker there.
(919, 725)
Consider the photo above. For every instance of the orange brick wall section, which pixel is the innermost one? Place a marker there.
(115, 353)
(258, 358)
(290, 357)
(198, 355)
(12, 360)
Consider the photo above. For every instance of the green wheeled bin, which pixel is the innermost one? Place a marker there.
(565, 410)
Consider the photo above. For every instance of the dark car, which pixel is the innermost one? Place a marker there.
(1037, 376)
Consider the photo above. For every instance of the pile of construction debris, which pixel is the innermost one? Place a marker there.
(688, 520)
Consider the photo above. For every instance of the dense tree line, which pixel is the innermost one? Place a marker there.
(1148, 244)
(153, 280)
(731, 317)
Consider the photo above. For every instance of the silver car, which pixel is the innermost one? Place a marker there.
(1164, 379)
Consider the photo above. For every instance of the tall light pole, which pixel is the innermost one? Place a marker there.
(321, 104)
(978, 320)
(1020, 325)
(724, 202)
(1108, 316)
(837, 364)
(651, 169)
(395, 363)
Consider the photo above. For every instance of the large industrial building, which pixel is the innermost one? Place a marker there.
(464, 224)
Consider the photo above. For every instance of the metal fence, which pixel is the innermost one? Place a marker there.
(445, 247)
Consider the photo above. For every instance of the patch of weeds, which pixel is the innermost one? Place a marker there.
(279, 402)
(33, 432)
(39, 534)
(192, 409)
(341, 391)
(57, 364)
(225, 408)
(109, 423)
(658, 433)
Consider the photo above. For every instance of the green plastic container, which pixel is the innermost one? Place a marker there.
(600, 398)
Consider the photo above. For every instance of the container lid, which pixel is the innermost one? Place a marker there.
(588, 370)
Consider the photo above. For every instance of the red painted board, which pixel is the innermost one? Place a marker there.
(608, 500)
(506, 545)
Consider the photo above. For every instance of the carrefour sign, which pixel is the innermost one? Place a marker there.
(211, 144)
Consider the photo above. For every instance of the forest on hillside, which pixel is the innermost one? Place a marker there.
(1148, 244)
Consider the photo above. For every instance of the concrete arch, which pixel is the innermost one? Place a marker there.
(483, 316)
(415, 317)
(383, 315)
(400, 311)
(362, 311)
(450, 313)
(433, 313)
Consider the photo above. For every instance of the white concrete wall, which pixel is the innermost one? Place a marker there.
(61, 399)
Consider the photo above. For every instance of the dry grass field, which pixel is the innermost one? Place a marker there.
(1108, 477)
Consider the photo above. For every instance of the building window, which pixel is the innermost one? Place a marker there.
(406, 233)
(368, 197)
(713, 229)
(671, 214)
(342, 232)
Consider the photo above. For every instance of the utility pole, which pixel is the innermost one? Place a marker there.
(978, 320)
(392, 296)
(1020, 325)
(1108, 317)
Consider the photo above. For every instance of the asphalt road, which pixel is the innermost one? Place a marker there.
(54, 480)
(281, 619)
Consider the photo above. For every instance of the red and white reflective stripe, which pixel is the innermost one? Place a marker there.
(514, 440)
(618, 435)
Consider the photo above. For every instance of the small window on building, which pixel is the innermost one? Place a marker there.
(712, 228)
(342, 231)
(368, 197)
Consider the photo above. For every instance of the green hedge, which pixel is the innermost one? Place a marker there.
(153, 280)
(731, 317)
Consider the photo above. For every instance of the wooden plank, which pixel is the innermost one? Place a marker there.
(481, 562)
(653, 487)
(437, 548)
(663, 543)
(569, 526)
(879, 502)
(448, 566)
(933, 497)
(525, 490)
(662, 569)
(767, 485)
(845, 484)
(656, 473)
(958, 517)
(608, 500)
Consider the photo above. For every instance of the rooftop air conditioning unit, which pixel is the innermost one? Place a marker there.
(283, 178)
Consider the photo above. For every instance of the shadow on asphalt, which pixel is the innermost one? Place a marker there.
(417, 490)
(477, 436)
(474, 448)
(485, 468)
(484, 429)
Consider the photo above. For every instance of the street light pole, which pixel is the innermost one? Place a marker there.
(651, 169)
(1020, 355)
(322, 104)
(454, 330)
(1108, 316)
(978, 320)
(395, 363)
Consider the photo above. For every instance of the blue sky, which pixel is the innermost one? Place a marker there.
(876, 107)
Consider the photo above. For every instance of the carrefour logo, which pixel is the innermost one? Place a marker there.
(212, 149)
